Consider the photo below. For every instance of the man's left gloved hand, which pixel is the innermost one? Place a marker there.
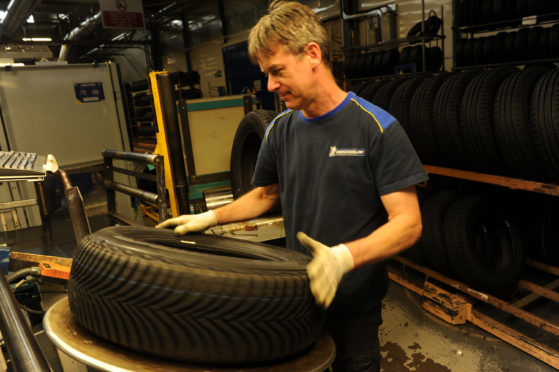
(326, 269)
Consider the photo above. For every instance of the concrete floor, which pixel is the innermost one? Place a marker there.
(411, 338)
(414, 340)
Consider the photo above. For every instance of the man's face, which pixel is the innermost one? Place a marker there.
(288, 75)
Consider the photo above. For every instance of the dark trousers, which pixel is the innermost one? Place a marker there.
(356, 339)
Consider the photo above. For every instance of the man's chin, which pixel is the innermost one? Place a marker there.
(291, 105)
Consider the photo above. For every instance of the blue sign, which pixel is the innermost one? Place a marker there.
(89, 92)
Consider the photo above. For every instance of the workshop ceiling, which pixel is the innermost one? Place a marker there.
(76, 24)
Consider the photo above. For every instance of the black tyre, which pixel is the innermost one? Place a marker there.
(468, 57)
(544, 110)
(373, 86)
(434, 58)
(477, 57)
(513, 129)
(475, 11)
(405, 55)
(459, 53)
(377, 64)
(246, 146)
(400, 104)
(416, 57)
(521, 49)
(433, 211)
(389, 60)
(463, 13)
(554, 41)
(499, 44)
(535, 43)
(198, 298)
(421, 129)
(509, 53)
(485, 247)
(446, 119)
(384, 94)
(476, 117)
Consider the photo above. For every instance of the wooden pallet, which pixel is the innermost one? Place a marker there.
(455, 303)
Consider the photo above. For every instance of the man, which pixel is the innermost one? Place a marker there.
(344, 172)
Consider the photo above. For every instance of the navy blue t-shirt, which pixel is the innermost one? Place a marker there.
(331, 172)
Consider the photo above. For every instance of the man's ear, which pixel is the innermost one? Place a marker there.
(313, 52)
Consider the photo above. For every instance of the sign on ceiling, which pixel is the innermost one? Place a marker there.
(125, 14)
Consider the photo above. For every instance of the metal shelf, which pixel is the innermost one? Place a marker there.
(514, 23)
(390, 44)
(509, 63)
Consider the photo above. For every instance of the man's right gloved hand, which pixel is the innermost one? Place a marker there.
(191, 222)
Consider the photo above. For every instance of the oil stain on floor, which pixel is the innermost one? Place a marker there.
(395, 359)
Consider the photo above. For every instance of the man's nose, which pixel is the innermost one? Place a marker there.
(273, 84)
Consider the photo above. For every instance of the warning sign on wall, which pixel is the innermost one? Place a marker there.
(122, 13)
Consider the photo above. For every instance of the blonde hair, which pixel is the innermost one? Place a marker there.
(290, 24)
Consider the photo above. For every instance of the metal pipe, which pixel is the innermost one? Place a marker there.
(76, 209)
(144, 195)
(218, 198)
(22, 347)
(84, 28)
(78, 216)
(134, 156)
(18, 12)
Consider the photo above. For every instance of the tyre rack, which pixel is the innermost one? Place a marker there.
(459, 308)
(513, 23)
(390, 44)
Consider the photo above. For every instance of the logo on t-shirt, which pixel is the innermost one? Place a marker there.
(334, 151)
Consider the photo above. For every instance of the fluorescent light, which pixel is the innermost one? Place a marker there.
(31, 19)
(119, 37)
(37, 39)
(3, 15)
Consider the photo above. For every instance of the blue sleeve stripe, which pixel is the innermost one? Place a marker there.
(274, 122)
(381, 117)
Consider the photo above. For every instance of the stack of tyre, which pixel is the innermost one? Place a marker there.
(503, 12)
(414, 54)
(384, 63)
(501, 121)
(371, 64)
(481, 239)
(522, 45)
(470, 238)
(525, 44)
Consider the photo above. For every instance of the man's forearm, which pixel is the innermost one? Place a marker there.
(388, 240)
(401, 231)
(253, 204)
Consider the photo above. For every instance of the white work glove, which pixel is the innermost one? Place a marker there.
(326, 268)
(191, 222)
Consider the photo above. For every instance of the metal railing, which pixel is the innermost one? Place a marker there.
(159, 198)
